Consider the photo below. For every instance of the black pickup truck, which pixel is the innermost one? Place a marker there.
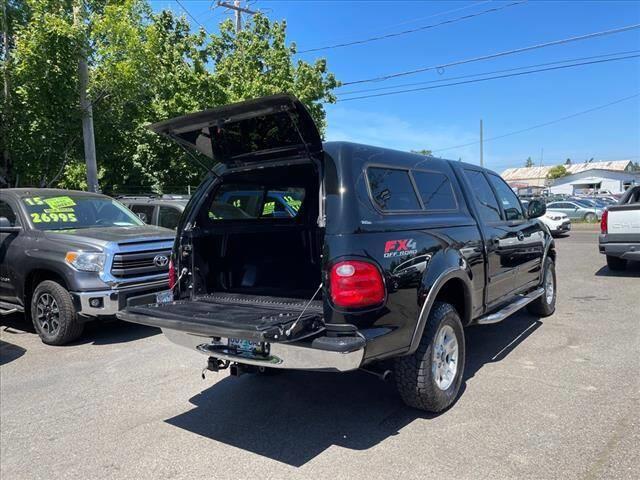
(388, 256)
(67, 257)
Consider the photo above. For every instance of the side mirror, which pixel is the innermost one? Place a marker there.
(6, 227)
(536, 209)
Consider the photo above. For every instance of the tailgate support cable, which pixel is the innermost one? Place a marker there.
(293, 325)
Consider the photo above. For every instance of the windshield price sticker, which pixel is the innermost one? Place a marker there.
(54, 209)
(57, 203)
(57, 216)
(293, 203)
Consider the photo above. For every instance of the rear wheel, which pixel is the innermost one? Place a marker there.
(590, 217)
(430, 378)
(545, 305)
(616, 263)
(53, 314)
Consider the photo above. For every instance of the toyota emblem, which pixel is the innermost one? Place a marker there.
(160, 261)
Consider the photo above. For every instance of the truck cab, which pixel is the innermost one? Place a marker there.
(386, 258)
(67, 257)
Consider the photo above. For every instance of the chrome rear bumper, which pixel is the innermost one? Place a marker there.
(281, 355)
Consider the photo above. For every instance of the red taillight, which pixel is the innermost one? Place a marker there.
(172, 275)
(604, 226)
(355, 284)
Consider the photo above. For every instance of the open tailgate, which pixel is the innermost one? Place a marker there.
(249, 317)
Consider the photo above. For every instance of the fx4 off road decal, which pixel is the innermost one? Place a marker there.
(400, 248)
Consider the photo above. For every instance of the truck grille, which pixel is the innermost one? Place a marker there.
(137, 264)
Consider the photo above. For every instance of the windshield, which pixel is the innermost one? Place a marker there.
(64, 212)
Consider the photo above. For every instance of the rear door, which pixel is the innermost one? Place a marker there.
(240, 134)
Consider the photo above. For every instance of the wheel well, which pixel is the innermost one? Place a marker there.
(552, 253)
(33, 280)
(455, 292)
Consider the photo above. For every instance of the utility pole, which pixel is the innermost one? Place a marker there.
(86, 108)
(481, 146)
(238, 10)
(5, 74)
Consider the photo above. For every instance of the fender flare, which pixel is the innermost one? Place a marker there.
(442, 279)
(550, 244)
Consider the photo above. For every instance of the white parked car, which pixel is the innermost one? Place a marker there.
(557, 222)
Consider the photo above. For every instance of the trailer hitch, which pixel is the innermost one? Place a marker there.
(215, 365)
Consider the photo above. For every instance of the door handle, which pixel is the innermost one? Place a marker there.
(520, 236)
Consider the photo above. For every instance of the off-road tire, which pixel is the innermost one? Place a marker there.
(69, 326)
(413, 374)
(616, 263)
(543, 306)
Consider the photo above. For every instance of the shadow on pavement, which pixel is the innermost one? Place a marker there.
(9, 352)
(295, 416)
(99, 332)
(107, 332)
(632, 270)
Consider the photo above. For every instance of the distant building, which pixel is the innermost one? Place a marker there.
(594, 180)
(537, 176)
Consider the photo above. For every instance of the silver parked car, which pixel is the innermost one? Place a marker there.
(577, 210)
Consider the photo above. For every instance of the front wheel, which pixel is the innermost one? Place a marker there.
(545, 305)
(53, 314)
(430, 378)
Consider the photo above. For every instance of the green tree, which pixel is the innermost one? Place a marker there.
(557, 172)
(424, 152)
(42, 118)
(528, 163)
(144, 67)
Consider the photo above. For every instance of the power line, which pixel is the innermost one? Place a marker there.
(413, 30)
(447, 79)
(438, 14)
(419, 19)
(487, 78)
(540, 125)
(191, 16)
(496, 55)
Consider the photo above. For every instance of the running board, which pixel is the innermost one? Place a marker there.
(520, 302)
(9, 308)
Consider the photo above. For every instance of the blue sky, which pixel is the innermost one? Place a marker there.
(444, 117)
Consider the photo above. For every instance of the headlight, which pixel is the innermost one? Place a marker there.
(555, 217)
(86, 261)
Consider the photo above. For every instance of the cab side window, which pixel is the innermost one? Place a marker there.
(435, 190)
(391, 189)
(144, 212)
(508, 199)
(7, 212)
(168, 217)
(486, 200)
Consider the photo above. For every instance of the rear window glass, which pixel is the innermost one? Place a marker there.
(391, 189)
(238, 202)
(435, 190)
(272, 132)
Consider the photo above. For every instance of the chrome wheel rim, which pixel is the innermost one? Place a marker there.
(48, 314)
(444, 364)
(549, 287)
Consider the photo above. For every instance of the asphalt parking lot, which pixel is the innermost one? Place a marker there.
(543, 398)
